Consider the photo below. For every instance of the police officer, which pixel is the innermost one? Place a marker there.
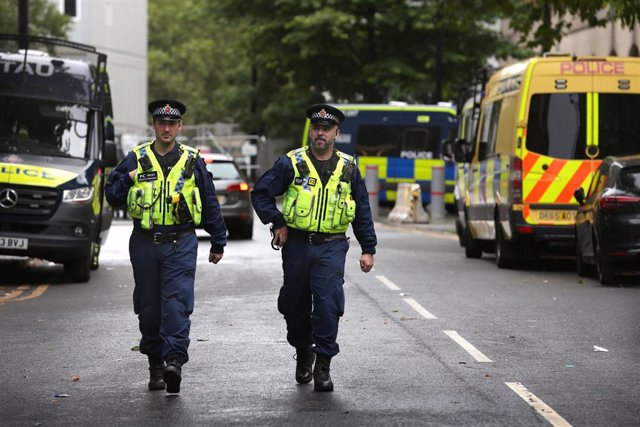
(323, 194)
(167, 191)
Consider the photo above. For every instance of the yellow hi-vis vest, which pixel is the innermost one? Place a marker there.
(155, 199)
(310, 206)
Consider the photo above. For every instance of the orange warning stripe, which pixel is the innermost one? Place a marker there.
(578, 178)
(545, 181)
(529, 160)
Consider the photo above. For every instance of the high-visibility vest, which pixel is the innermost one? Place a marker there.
(309, 205)
(158, 200)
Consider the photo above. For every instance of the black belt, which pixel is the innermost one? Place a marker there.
(315, 238)
(159, 238)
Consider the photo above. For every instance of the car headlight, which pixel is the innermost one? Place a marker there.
(78, 196)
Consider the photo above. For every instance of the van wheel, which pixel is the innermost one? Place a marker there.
(79, 270)
(472, 248)
(605, 268)
(505, 253)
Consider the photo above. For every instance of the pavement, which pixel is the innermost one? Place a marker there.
(446, 224)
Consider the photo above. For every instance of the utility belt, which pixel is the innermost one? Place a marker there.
(313, 238)
(160, 238)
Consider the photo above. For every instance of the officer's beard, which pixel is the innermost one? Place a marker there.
(325, 148)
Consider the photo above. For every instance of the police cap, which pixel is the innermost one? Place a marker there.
(325, 114)
(167, 109)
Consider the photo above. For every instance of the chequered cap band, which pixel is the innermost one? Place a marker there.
(323, 115)
(167, 110)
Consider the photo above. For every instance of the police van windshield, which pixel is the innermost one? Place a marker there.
(557, 125)
(398, 141)
(30, 126)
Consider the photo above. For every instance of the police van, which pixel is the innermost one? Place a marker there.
(56, 143)
(545, 124)
(404, 141)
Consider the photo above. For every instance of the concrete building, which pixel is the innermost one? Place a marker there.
(119, 29)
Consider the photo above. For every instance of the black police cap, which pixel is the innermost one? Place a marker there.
(325, 114)
(167, 109)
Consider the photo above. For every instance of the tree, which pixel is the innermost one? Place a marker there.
(357, 51)
(541, 23)
(44, 18)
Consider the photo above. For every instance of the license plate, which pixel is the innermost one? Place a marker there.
(13, 243)
(549, 215)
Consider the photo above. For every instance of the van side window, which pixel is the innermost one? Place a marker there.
(489, 131)
(556, 126)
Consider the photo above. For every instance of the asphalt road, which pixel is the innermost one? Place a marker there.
(428, 338)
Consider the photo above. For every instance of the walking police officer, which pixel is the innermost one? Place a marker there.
(323, 194)
(167, 191)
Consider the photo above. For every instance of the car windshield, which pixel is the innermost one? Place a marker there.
(223, 170)
(30, 126)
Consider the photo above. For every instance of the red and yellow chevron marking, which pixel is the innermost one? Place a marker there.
(554, 184)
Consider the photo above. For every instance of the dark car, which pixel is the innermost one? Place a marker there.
(234, 194)
(608, 220)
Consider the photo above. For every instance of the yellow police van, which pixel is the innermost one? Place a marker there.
(56, 141)
(545, 124)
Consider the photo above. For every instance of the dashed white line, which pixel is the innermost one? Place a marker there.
(420, 309)
(388, 282)
(542, 408)
(474, 352)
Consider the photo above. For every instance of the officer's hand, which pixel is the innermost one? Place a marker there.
(132, 174)
(280, 236)
(214, 258)
(366, 262)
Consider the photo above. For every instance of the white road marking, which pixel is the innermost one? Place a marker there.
(542, 408)
(474, 352)
(420, 309)
(388, 282)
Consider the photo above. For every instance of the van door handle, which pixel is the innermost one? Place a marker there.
(545, 167)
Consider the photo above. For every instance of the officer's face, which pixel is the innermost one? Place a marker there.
(323, 137)
(166, 130)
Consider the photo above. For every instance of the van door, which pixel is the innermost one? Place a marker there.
(559, 121)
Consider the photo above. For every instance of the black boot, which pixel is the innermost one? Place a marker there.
(172, 375)
(321, 378)
(156, 367)
(304, 365)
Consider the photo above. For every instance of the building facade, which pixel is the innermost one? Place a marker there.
(119, 29)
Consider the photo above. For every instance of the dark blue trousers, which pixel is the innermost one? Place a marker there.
(312, 298)
(163, 296)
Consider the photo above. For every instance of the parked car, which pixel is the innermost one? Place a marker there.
(234, 194)
(608, 220)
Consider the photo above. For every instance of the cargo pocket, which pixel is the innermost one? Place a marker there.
(288, 205)
(348, 213)
(303, 209)
(134, 201)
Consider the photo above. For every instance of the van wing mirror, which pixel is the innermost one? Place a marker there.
(462, 152)
(579, 195)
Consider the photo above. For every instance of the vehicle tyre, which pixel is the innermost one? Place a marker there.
(79, 270)
(460, 232)
(505, 253)
(605, 269)
(244, 232)
(583, 269)
(472, 248)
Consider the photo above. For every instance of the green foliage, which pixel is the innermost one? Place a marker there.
(261, 62)
(541, 23)
(44, 19)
